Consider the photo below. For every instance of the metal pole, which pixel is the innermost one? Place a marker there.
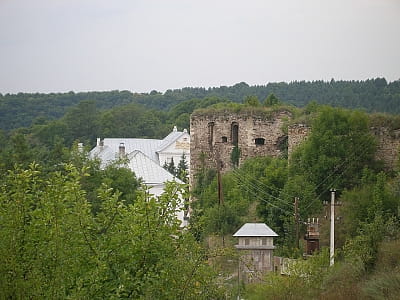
(332, 244)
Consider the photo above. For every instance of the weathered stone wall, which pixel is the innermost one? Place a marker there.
(212, 137)
(388, 146)
(296, 135)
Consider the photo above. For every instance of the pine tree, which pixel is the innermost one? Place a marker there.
(182, 170)
(171, 167)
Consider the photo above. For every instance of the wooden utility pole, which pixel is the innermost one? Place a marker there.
(220, 195)
(332, 242)
(219, 180)
(296, 220)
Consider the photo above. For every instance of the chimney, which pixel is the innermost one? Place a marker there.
(175, 129)
(80, 147)
(121, 149)
(98, 142)
(185, 130)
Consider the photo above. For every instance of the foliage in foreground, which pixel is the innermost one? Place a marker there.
(366, 269)
(54, 247)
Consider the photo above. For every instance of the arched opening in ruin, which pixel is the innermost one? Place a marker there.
(224, 139)
(259, 141)
(211, 133)
(235, 133)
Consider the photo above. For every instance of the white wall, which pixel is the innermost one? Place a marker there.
(175, 150)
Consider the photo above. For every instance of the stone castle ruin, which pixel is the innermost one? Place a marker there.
(388, 143)
(214, 136)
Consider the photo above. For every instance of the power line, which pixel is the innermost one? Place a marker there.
(269, 186)
(263, 200)
(336, 169)
(339, 166)
(354, 155)
(244, 178)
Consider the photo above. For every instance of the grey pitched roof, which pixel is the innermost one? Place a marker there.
(255, 229)
(142, 156)
(145, 168)
(149, 147)
(146, 146)
(169, 139)
(105, 153)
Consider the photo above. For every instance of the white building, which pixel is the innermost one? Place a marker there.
(145, 157)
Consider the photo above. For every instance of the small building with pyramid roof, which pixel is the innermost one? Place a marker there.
(256, 246)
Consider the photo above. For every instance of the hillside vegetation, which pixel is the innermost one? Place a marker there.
(339, 154)
(72, 230)
(373, 95)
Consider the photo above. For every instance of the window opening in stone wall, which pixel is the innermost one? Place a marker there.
(264, 241)
(247, 242)
(235, 133)
(211, 133)
(224, 139)
(259, 141)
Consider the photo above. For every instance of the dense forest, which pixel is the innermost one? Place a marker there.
(71, 229)
(373, 95)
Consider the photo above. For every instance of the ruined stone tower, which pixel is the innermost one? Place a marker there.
(259, 132)
(215, 135)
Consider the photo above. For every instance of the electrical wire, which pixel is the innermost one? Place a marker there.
(263, 200)
(244, 178)
(318, 198)
(354, 155)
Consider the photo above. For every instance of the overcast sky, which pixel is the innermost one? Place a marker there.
(144, 45)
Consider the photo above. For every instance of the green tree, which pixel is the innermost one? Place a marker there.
(339, 148)
(235, 156)
(271, 100)
(22, 153)
(182, 169)
(171, 167)
(308, 206)
(252, 101)
(81, 122)
(53, 247)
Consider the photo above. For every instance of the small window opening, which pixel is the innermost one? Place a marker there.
(260, 141)
(247, 242)
(224, 139)
(211, 133)
(235, 133)
(264, 241)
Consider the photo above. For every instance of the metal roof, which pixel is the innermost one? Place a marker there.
(147, 146)
(105, 154)
(255, 229)
(145, 168)
(142, 156)
(169, 139)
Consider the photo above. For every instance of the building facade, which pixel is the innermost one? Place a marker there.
(215, 136)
